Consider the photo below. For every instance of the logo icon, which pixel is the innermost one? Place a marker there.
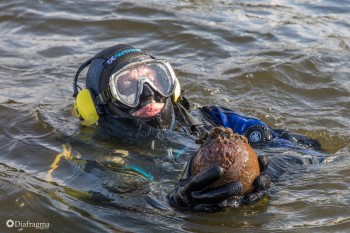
(255, 136)
(10, 223)
(121, 53)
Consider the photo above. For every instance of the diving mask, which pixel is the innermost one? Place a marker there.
(126, 85)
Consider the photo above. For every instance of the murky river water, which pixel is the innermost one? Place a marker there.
(285, 62)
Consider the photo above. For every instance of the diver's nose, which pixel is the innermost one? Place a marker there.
(147, 92)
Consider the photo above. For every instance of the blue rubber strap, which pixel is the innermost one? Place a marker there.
(140, 171)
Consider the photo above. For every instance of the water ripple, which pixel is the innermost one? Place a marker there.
(284, 62)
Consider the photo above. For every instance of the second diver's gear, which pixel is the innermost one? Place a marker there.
(255, 130)
(298, 139)
(258, 134)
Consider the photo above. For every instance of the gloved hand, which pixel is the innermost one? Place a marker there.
(298, 139)
(193, 193)
(261, 183)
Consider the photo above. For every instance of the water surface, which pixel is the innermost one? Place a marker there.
(285, 62)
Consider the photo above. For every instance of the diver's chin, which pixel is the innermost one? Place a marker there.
(149, 111)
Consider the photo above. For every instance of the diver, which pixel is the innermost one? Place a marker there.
(135, 94)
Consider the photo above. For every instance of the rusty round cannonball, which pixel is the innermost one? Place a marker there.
(221, 147)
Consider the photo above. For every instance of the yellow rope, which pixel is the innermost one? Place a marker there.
(66, 153)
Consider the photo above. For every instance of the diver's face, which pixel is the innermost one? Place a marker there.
(149, 105)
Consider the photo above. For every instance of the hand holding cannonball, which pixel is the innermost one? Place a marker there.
(225, 172)
(221, 147)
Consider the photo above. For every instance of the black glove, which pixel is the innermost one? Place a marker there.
(298, 139)
(261, 183)
(193, 193)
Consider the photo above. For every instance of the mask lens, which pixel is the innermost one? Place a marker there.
(162, 80)
(129, 82)
(127, 88)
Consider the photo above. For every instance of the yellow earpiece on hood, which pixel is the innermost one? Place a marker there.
(84, 107)
(177, 91)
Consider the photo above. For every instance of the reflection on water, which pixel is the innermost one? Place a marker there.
(284, 62)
